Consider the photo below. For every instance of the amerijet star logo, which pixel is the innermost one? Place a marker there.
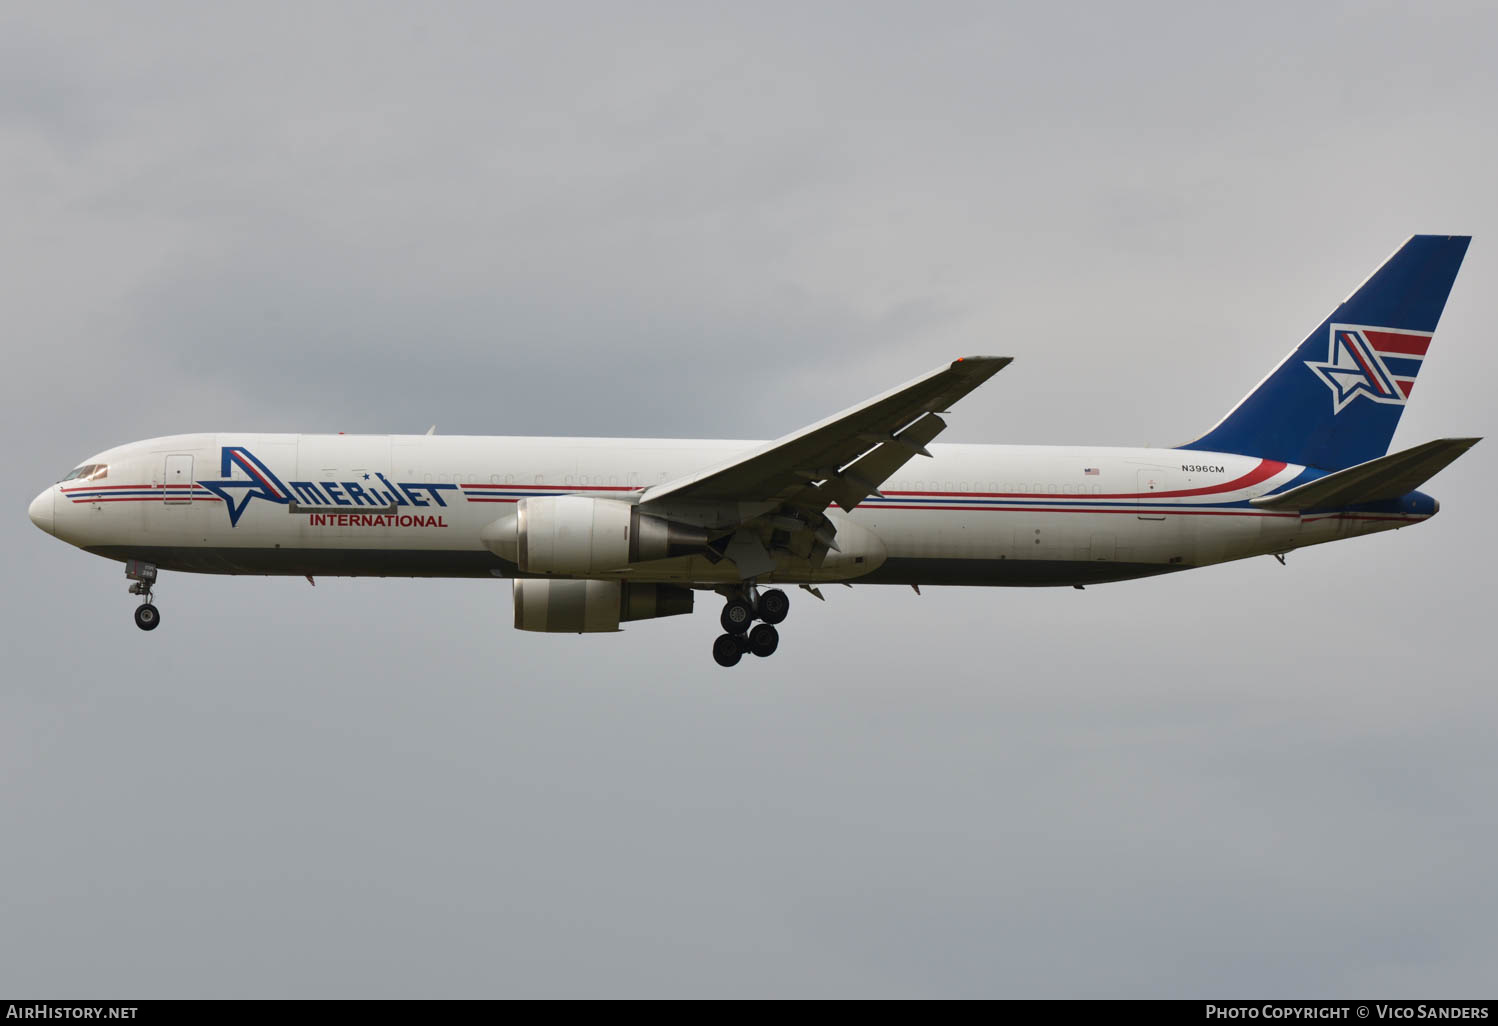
(1376, 363)
(258, 482)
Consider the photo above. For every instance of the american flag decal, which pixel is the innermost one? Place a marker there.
(1090, 471)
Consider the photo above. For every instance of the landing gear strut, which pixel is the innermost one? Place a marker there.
(742, 609)
(147, 616)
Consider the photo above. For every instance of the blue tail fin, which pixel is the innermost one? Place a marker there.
(1336, 399)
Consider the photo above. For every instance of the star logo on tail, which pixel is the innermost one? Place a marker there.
(1358, 363)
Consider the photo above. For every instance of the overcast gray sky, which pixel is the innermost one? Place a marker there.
(729, 220)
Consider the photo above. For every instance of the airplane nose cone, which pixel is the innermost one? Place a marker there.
(40, 510)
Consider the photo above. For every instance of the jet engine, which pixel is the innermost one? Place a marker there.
(583, 607)
(573, 534)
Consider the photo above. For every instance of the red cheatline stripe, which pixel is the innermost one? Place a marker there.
(146, 498)
(1165, 511)
(472, 498)
(1404, 386)
(1388, 343)
(134, 487)
(1265, 470)
(564, 488)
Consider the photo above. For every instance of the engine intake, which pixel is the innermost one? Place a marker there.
(585, 607)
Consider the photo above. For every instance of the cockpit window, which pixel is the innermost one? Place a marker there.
(89, 472)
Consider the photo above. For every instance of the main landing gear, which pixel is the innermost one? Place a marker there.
(147, 616)
(741, 610)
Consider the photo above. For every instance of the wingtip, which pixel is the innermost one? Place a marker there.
(982, 361)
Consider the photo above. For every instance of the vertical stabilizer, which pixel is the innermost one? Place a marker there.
(1335, 401)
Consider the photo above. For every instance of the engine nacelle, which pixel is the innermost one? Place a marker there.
(573, 534)
(584, 607)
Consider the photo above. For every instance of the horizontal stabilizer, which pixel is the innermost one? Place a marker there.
(1387, 477)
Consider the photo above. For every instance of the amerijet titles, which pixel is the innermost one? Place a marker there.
(324, 497)
(373, 520)
(351, 493)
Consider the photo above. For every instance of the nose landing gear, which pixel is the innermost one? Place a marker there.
(742, 609)
(147, 616)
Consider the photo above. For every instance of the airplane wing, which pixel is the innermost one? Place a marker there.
(843, 459)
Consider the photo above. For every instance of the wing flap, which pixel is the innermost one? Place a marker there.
(862, 477)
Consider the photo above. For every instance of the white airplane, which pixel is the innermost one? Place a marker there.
(599, 531)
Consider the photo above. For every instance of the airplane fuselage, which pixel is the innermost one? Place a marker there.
(415, 505)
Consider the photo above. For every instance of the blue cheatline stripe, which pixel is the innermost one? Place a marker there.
(544, 491)
(1047, 501)
(156, 492)
(148, 490)
(488, 494)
